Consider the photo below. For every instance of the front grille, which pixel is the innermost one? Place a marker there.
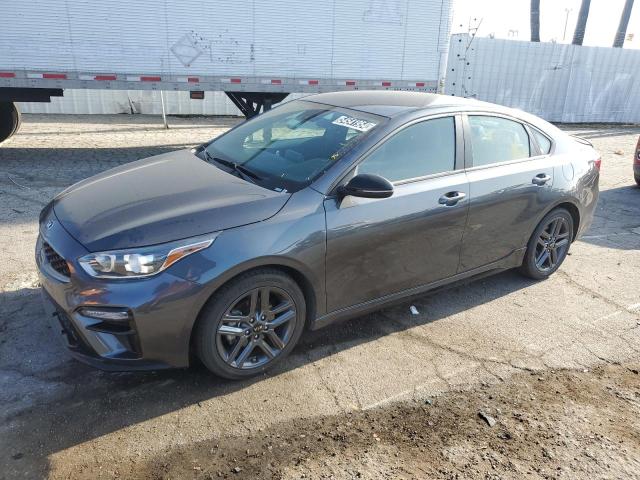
(58, 263)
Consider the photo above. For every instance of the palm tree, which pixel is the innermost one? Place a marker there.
(581, 26)
(624, 23)
(535, 20)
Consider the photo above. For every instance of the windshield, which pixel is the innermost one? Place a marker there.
(288, 147)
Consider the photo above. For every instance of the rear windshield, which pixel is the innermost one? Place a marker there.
(290, 146)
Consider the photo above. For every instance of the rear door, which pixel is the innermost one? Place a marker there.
(510, 183)
(377, 247)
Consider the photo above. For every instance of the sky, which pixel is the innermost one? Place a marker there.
(510, 19)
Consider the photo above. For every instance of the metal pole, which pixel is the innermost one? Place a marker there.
(566, 20)
(535, 20)
(164, 113)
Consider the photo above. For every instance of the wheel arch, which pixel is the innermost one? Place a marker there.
(568, 204)
(313, 296)
(573, 210)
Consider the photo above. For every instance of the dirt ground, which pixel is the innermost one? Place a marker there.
(566, 424)
(388, 395)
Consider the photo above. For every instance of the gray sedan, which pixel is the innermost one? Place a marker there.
(318, 210)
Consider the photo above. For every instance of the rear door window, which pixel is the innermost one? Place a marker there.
(497, 139)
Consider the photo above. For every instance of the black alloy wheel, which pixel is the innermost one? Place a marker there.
(553, 244)
(549, 245)
(250, 324)
(256, 328)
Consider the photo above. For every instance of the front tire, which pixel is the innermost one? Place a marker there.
(251, 324)
(548, 245)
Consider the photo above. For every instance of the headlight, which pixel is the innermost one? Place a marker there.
(144, 261)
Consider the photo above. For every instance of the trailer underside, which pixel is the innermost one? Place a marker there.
(250, 94)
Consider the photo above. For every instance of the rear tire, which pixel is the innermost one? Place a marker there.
(18, 119)
(9, 120)
(637, 179)
(548, 245)
(251, 324)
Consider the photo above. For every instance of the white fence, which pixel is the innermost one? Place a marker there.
(558, 82)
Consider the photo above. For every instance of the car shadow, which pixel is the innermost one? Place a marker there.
(616, 223)
(67, 403)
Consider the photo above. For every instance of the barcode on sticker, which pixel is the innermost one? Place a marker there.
(355, 123)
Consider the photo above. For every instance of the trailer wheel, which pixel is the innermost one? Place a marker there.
(9, 120)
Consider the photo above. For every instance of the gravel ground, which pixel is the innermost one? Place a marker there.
(553, 362)
(549, 425)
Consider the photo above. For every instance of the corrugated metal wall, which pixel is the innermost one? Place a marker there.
(558, 82)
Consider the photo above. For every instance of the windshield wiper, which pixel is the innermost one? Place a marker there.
(236, 167)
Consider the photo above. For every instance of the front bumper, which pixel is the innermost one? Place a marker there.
(79, 342)
(162, 310)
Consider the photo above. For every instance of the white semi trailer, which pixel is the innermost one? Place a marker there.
(257, 51)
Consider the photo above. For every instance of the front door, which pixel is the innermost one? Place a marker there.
(377, 247)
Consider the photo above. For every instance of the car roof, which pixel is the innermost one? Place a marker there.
(390, 103)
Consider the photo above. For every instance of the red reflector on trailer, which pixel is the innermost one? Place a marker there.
(106, 77)
(313, 82)
(150, 79)
(350, 83)
(275, 81)
(193, 80)
(7, 75)
(420, 84)
(57, 76)
(386, 84)
(236, 80)
(196, 95)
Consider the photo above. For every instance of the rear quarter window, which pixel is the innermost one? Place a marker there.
(543, 141)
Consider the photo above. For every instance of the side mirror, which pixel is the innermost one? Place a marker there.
(367, 186)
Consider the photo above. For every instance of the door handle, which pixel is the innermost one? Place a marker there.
(449, 199)
(540, 179)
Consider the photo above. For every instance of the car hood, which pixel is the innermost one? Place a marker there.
(160, 199)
